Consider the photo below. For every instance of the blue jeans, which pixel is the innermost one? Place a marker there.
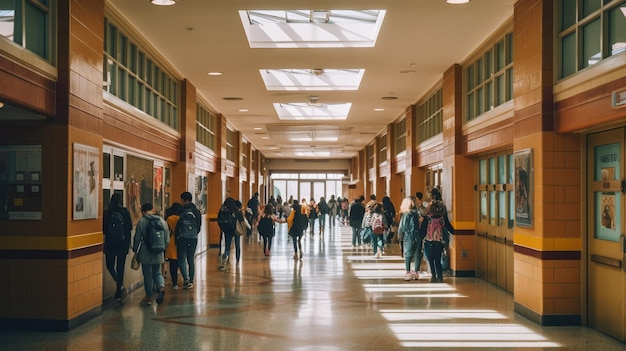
(228, 238)
(152, 277)
(412, 251)
(377, 242)
(356, 236)
(186, 249)
(322, 222)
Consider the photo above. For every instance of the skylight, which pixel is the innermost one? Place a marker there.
(312, 79)
(307, 111)
(311, 28)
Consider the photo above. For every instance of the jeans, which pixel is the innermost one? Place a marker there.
(377, 242)
(435, 248)
(228, 238)
(356, 236)
(186, 249)
(322, 222)
(412, 252)
(311, 224)
(152, 277)
(267, 243)
(174, 271)
(331, 220)
(115, 266)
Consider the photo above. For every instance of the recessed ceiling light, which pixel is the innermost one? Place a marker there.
(258, 128)
(1, 104)
(215, 73)
(457, 1)
(379, 109)
(243, 110)
(265, 137)
(406, 71)
(163, 2)
(389, 98)
(232, 98)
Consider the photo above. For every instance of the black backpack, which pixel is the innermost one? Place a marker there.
(226, 220)
(187, 227)
(115, 228)
(154, 238)
(266, 226)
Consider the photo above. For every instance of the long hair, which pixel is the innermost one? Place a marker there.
(407, 204)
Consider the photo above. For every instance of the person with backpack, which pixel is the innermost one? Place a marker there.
(389, 211)
(117, 226)
(266, 227)
(151, 239)
(296, 224)
(377, 223)
(313, 213)
(171, 252)
(411, 232)
(323, 210)
(229, 214)
(437, 234)
(355, 218)
(187, 229)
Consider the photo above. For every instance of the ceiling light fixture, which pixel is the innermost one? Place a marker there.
(215, 73)
(163, 2)
(457, 2)
(1, 104)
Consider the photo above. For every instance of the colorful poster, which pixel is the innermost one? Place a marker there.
(139, 175)
(86, 175)
(607, 204)
(523, 188)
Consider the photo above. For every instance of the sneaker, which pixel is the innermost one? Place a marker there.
(161, 295)
(188, 285)
(175, 287)
(408, 276)
(415, 275)
(146, 300)
(295, 256)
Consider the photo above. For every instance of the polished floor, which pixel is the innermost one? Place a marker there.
(336, 298)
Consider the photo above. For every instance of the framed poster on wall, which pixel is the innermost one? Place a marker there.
(523, 188)
(85, 183)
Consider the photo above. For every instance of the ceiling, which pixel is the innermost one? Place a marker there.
(422, 37)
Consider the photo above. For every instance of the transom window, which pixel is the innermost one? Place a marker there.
(206, 124)
(29, 23)
(430, 117)
(588, 32)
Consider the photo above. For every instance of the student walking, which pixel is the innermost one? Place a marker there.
(171, 252)
(149, 246)
(436, 236)
(187, 229)
(266, 227)
(296, 224)
(117, 226)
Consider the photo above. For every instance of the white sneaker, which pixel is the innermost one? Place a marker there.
(408, 276)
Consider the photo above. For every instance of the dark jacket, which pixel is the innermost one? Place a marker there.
(357, 212)
(121, 248)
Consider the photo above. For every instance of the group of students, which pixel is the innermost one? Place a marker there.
(424, 230)
(372, 223)
(157, 239)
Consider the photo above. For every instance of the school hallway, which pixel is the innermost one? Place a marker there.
(336, 298)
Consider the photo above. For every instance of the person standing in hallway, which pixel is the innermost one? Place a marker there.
(150, 260)
(377, 223)
(389, 211)
(313, 216)
(171, 252)
(413, 229)
(322, 210)
(117, 241)
(255, 208)
(333, 207)
(355, 217)
(187, 229)
(435, 238)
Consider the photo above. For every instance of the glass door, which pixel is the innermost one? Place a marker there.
(605, 233)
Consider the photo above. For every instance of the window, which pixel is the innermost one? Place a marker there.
(231, 145)
(489, 79)
(382, 148)
(30, 24)
(400, 136)
(369, 150)
(244, 154)
(206, 124)
(136, 79)
(430, 117)
(588, 32)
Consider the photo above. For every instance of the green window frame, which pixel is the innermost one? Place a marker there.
(400, 135)
(489, 79)
(588, 32)
(382, 148)
(134, 77)
(31, 24)
(430, 117)
(231, 145)
(206, 124)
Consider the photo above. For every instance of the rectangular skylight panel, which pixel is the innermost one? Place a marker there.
(305, 111)
(320, 79)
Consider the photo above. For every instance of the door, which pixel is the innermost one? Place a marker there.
(605, 233)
